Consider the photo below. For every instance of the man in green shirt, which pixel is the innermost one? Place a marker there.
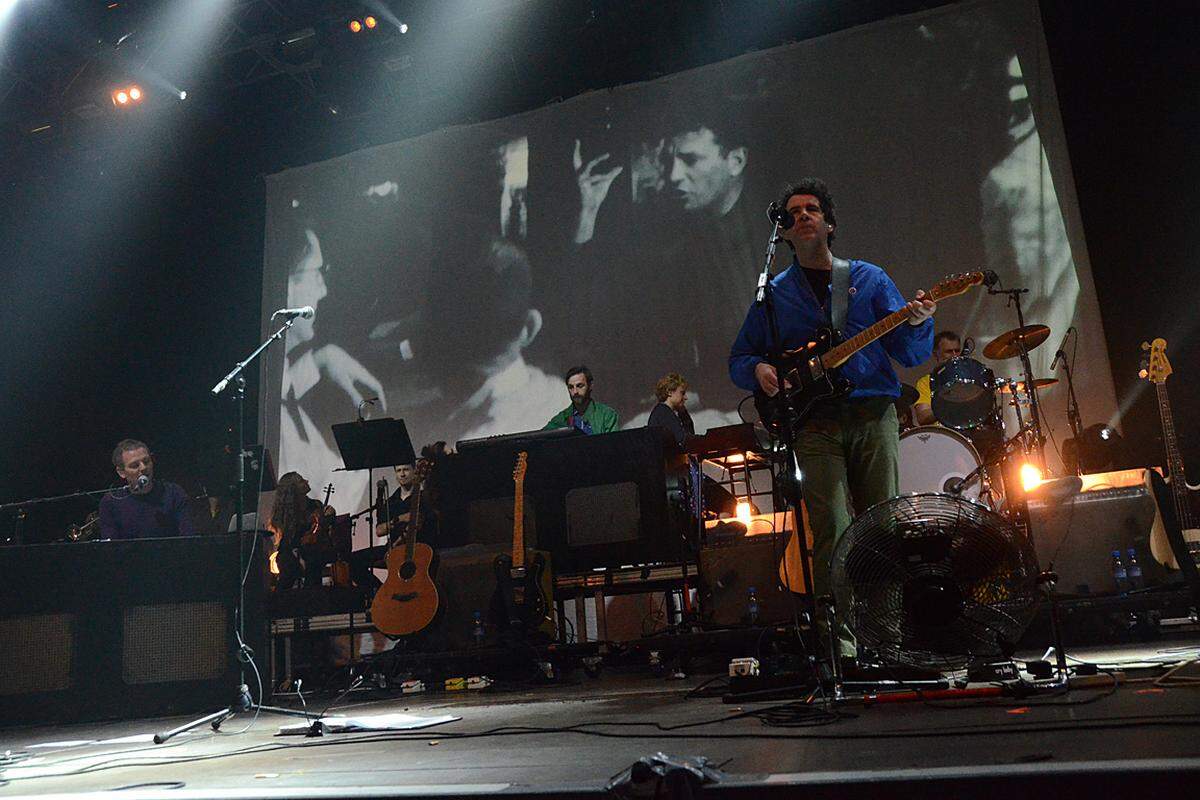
(584, 413)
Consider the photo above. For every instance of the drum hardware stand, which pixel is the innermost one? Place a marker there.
(1039, 440)
(243, 700)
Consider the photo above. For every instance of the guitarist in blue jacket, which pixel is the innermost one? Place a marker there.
(848, 447)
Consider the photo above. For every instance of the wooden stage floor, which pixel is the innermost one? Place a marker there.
(1138, 739)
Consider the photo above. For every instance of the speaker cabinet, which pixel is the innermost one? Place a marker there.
(105, 630)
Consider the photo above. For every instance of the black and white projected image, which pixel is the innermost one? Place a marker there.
(458, 274)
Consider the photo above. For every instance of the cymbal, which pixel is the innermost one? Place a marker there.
(908, 395)
(1005, 345)
(1038, 383)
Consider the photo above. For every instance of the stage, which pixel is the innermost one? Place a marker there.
(570, 739)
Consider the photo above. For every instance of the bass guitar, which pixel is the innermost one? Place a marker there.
(808, 375)
(1156, 369)
(522, 578)
(408, 599)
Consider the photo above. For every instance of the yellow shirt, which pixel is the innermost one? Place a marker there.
(924, 393)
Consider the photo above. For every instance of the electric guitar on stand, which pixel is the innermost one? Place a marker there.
(408, 599)
(1156, 369)
(810, 372)
(523, 577)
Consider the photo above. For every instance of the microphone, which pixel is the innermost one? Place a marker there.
(1059, 354)
(778, 214)
(304, 312)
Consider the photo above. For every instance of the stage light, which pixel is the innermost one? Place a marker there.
(404, 27)
(135, 93)
(121, 97)
(182, 95)
(1031, 476)
(370, 22)
(355, 26)
(743, 512)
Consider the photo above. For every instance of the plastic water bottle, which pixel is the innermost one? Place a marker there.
(1133, 570)
(752, 607)
(477, 631)
(1120, 576)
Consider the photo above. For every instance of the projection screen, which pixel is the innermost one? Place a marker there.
(458, 274)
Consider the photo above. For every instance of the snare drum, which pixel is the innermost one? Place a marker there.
(964, 393)
(934, 459)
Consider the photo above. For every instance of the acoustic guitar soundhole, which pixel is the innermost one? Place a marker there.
(407, 570)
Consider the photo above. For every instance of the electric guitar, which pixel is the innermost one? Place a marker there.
(522, 578)
(808, 375)
(1156, 369)
(408, 599)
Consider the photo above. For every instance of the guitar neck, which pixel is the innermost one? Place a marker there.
(836, 356)
(1174, 459)
(518, 554)
(414, 515)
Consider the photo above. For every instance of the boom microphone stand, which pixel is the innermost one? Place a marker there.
(790, 487)
(243, 701)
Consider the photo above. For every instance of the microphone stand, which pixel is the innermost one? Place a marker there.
(21, 506)
(764, 297)
(243, 701)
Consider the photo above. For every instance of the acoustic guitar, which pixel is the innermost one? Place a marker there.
(1156, 369)
(811, 372)
(522, 578)
(408, 599)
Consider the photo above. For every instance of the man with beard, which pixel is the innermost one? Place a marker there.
(584, 413)
(143, 508)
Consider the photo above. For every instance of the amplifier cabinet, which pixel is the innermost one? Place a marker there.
(1077, 534)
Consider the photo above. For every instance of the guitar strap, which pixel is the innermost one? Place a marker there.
(839, 294)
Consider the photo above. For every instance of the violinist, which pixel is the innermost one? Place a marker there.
(299, 524)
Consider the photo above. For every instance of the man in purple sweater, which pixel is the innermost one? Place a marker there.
(144, 508)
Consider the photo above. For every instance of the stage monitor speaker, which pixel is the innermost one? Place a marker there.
(109, 630)
(728, 571)
(1077, 534)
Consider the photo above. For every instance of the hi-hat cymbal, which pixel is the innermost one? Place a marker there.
(1006, 344)
(1038, 383)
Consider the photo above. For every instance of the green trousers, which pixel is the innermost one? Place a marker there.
(848, 454)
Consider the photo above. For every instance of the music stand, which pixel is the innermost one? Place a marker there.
(372, 443)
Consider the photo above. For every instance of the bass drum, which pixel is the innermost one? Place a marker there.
(934, 459)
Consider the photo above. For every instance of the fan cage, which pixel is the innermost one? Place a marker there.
(934, 580)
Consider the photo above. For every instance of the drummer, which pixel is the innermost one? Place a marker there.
(946, 345)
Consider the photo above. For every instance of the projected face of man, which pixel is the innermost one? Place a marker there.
(134, 464)
(306, 287)
(704, 176)
(580, 391)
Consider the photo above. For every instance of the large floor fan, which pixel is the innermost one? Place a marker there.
(935, 581)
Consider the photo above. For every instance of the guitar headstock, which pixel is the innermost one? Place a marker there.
(328, 491)
(522, 465)
(1155, 366)
(956, 284)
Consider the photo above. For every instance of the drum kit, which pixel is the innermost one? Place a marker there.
(968, 452)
